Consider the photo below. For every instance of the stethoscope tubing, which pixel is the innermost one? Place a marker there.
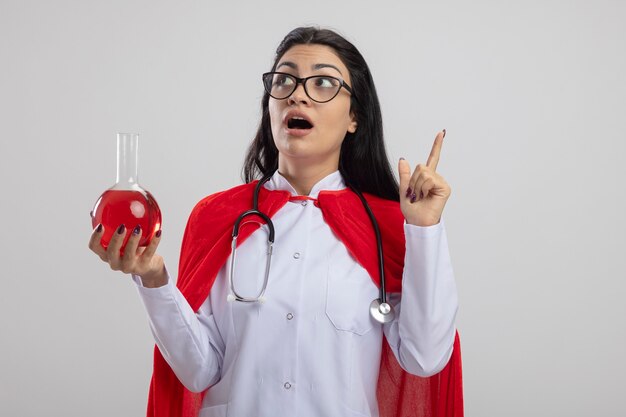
(380, 309)
(381, 260)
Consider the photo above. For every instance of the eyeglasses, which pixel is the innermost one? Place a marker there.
(319, 88)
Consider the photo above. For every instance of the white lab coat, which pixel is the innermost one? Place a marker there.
(312, 348)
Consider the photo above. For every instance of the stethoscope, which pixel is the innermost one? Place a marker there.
(380, 310)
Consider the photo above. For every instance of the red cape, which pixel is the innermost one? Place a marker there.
(206, 247)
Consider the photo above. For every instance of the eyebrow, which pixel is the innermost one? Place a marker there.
(315, 67)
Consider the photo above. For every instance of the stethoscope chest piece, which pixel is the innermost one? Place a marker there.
(382, 312)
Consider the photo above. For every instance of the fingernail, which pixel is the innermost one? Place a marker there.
(158, 233)
(408, 192)
(99, 228)
(413, 198)
(136, 230)
(121, 229)
(444, 133)
(401, 158)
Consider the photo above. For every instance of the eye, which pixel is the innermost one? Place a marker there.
(326, 82)
(282, 80)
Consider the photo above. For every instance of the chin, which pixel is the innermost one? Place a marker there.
(296, 149)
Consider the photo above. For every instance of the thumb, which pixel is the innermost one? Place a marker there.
(404, 171)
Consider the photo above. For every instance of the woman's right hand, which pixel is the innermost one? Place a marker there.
(142, 261)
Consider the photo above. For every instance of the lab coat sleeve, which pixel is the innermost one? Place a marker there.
(190, 342)
(422, 333)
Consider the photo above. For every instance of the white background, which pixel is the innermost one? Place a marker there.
(532, 94)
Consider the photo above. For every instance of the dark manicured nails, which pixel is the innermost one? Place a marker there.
(158, 233)
(99, 228)
(408, 192)
(401, 158)
(136, 230)
(121, 229)
(413, 198)
(444, 133)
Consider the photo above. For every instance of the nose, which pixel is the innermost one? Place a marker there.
(299, 95)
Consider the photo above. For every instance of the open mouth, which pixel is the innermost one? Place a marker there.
(298, 123)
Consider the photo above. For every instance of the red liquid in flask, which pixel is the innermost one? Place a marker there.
(130, 208)
(127, 202)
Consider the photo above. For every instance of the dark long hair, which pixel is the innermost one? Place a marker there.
(363, 159)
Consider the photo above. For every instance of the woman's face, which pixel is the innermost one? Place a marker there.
(321, 143)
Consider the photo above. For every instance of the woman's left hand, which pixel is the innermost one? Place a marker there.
(423, 195)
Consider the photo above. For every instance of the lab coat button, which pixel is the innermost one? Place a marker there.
(296, 255)
(289, 316)
(287, 385)
(304, 203)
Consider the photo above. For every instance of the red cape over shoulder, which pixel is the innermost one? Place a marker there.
(206, 247)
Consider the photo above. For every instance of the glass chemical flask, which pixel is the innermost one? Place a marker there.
(126, 202)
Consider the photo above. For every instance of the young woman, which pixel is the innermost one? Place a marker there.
(317, 331)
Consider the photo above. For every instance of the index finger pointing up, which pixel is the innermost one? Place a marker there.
(433, 158)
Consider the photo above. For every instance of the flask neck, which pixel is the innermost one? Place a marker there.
(127, 160)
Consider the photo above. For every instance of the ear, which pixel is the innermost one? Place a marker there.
(353, 124)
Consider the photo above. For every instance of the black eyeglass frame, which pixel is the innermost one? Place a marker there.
(303, 81)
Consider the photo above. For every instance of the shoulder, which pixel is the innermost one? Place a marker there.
(346, 200)
(220, 199)
(387, 207)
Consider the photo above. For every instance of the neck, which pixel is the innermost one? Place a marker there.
(304, 176)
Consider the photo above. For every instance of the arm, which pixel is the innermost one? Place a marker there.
(422, 333)
(190, 342)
